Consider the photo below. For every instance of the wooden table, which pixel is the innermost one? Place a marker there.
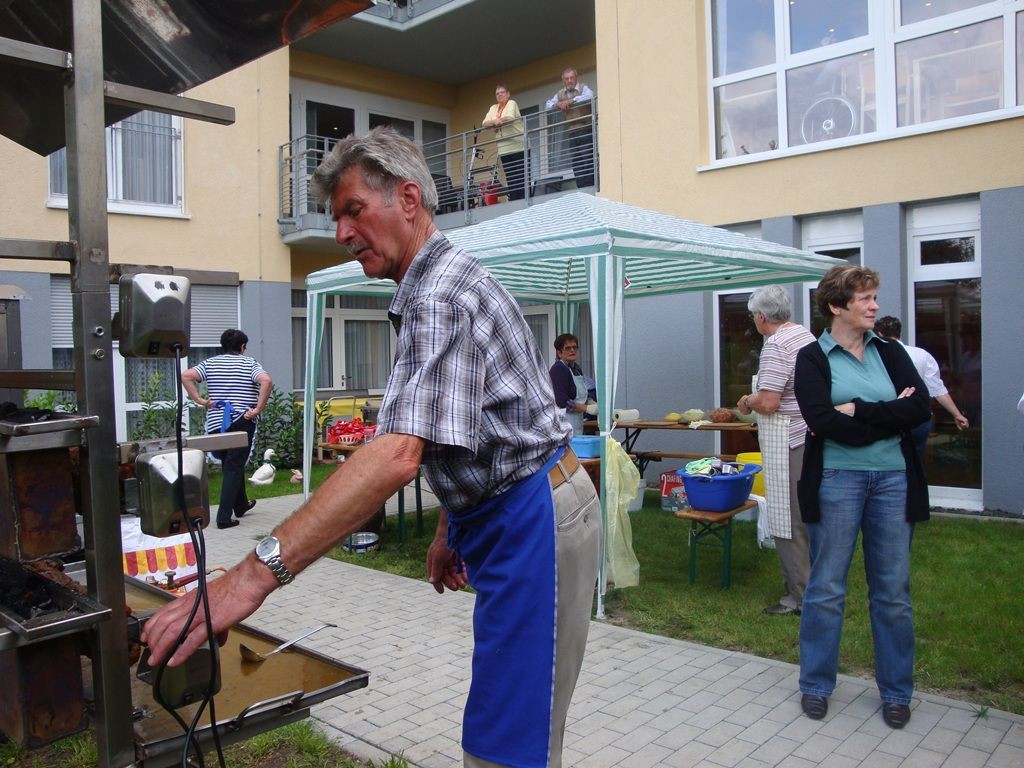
(716, 526)
(633, 430)
(347, 449)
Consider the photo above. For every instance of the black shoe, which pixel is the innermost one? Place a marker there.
(250, 505)
(781, 610)
(228, 524)
(815, 707)
(895, 715)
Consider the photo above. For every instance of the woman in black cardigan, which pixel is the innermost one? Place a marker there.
(860, 396)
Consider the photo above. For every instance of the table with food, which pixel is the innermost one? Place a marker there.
(722, 420)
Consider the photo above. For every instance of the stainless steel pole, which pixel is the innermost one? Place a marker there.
(94, 380)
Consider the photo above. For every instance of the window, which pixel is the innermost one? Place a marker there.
(357, 346)
(143, 165)
(953, 73)
(912, 11)
(803, 72)
(1020, 58)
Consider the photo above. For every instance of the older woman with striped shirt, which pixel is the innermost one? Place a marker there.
(238, 392)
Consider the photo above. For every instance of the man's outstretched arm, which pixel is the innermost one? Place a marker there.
(338, 508)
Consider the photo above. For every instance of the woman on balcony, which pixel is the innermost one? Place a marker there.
(507, 123)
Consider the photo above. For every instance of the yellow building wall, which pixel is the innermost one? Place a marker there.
(654, 138)
(230, 188)
(346, 74)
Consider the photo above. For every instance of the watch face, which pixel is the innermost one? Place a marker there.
(267, 547)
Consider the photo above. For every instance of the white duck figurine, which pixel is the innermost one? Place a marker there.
(264, 474)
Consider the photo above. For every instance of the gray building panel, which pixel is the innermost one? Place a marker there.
(885, 249)
(266, 317)
(36, 346)
(1002, 351)
(664, 368)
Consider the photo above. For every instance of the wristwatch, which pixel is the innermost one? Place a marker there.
(268, 552)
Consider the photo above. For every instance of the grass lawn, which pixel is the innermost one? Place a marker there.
(967, 609)
(299, 745)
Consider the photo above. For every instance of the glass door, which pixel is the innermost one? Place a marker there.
(945, 320)
(947, 323)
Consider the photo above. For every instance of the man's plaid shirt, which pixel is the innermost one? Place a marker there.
(468, 378)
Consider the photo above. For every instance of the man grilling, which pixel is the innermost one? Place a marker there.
(469, 400)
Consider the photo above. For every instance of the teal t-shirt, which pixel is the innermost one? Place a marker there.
(869, 381)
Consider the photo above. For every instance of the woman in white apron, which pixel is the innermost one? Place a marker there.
(572, 389)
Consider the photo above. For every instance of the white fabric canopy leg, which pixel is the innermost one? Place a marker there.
(314, 336)
(606, 278)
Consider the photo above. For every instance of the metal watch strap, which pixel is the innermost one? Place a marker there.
(277, 567)
(273, 561)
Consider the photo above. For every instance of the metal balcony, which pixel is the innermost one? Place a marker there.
(473, 183)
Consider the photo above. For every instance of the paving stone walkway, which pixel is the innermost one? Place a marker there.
(642, 700)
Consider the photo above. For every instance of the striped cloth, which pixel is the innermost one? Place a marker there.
(231, 378)
(773, 435)
(144, 562)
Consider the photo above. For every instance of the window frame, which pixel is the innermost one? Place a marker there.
(113, 154)
(884, 33)
(338, 316)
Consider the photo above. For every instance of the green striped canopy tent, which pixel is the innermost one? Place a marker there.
(581, 248)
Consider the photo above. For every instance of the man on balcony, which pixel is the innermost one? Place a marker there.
(575, 99)
(468, 400)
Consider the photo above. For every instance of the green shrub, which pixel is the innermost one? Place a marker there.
(52, 400)
(158, 419)
(280, 428)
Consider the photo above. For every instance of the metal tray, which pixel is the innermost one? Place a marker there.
(56, 423)
(253, 697)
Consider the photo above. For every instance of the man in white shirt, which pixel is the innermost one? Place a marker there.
(891, 328)
(574, 99)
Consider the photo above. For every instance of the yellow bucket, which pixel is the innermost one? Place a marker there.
(753, 458)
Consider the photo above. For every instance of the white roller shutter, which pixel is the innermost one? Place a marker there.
(214, 309)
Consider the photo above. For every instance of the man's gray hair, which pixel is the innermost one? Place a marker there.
(773, 302)
(386, 157)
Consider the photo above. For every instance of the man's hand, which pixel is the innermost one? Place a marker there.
(444, 569)
(233, 597)
(564, 104)
(961, 422)
(741, 405)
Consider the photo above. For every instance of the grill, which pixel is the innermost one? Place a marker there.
(53, 470)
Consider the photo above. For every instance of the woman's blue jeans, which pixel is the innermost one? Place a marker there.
(873, 504)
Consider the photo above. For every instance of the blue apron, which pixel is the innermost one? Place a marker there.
(508, 546)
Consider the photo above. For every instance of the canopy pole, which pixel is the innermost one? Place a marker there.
(314, 337)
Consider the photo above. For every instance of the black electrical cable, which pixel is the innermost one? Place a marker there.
(199, 545)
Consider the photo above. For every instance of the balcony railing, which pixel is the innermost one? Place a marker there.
(471, 170)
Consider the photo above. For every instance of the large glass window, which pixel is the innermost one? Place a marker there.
(746, 114)
(912, 11)
(816, 23)
(832, 99)
(143, 153)
(953, 73)
(744, 33)
(802, 72)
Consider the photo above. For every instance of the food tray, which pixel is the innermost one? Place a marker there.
(74, 611)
